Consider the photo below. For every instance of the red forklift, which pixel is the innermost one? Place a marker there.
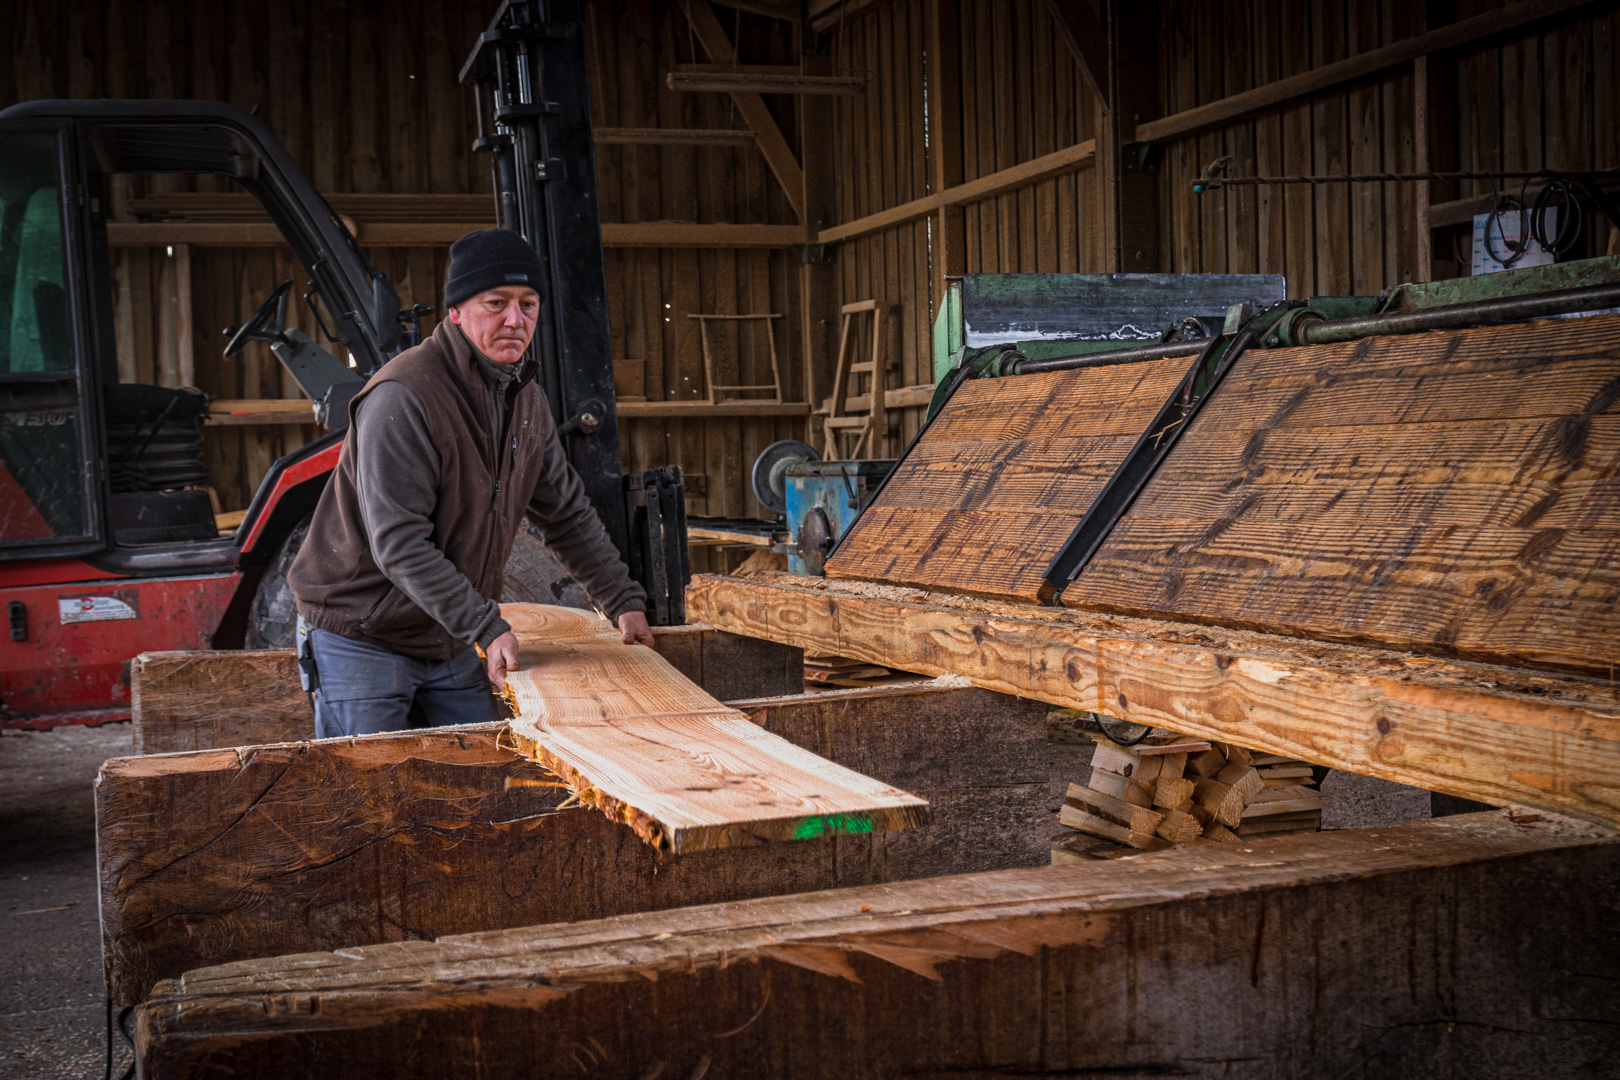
(108, 544)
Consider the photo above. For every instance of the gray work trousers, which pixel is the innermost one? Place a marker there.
(361, 689)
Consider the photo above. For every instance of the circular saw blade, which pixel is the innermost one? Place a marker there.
(770, 471)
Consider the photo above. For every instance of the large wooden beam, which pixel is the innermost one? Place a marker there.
(716, 77)
(646, 746)
(1457, 35)
(1494, 734)
(220, 698)
(751, 106)
(1388, 952)
(1069, 159)
(217, 856)
(635, 234)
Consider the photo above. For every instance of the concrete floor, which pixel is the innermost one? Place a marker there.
(53, 1019)
(52, 997)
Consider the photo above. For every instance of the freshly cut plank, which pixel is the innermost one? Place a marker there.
(637, 740)
(1173, 791)
(1307, 802)
(1245, 779)
(1179, 828)
(1224, 803)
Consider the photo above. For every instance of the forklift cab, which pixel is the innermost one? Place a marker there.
(102, 507)
(90, 466)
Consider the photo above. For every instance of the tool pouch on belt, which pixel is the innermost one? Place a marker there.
(309, 676)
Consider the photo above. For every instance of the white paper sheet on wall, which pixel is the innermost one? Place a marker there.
(1495, 236)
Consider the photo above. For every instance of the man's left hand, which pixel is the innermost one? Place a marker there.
(633, 625)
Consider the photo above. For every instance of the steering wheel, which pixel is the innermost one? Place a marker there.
(255, 329)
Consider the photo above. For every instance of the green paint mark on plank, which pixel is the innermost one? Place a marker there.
(812, 827)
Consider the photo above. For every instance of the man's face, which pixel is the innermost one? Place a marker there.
(499, 321)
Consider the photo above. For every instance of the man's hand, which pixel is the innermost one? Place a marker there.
(502, 657)
(633, 625)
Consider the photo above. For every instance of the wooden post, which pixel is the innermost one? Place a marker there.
(183, 335)
(945, 144)
(1420, 136)
(1136, 210)
(818, 271)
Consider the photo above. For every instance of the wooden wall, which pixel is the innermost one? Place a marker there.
(364, 96)
(1548, 99)
(1021, 97)
(651, 292)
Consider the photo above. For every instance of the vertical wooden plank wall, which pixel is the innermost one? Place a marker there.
(657, 349)
(364, 96)
(1545, 100)
(1021, 97)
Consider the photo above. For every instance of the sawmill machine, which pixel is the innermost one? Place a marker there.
(108, 540)
(1214, 344)
(986, 318)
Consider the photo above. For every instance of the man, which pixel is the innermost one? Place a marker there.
(448, 445)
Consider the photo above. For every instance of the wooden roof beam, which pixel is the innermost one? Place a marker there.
(1271, 95)
(781, 80)
(1499, 735)
(1080, 25)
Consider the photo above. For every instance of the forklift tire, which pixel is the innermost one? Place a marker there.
(272, 618)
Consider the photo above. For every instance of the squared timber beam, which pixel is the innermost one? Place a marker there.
(1387, 952)
(215, 856)
(1495, 734)
(778, 154)
(210, 699)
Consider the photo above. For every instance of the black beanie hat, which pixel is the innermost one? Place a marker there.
(490, 259)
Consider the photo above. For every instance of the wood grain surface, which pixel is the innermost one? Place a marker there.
(1000, 478)
(1453, 493)
(219, 698)
(215, 856)
(1355, 952)
(1482, 731)
(642, 743)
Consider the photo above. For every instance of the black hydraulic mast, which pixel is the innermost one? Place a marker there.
(534, 119)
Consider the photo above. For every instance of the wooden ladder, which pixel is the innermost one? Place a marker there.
(871, 426)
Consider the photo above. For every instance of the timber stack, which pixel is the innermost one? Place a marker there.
(1171, 790)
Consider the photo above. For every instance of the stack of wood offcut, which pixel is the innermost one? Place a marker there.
(1171, 790)
(822, 671)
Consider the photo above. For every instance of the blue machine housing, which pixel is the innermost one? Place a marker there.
(823, 500)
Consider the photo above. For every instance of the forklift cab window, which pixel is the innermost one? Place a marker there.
(41, 482)
(33, 308)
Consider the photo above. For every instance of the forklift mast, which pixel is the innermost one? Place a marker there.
(528, 77)
(535, 123)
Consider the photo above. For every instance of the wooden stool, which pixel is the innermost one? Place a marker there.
(715, 389)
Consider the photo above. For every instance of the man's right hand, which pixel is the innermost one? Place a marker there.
(502, 657)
